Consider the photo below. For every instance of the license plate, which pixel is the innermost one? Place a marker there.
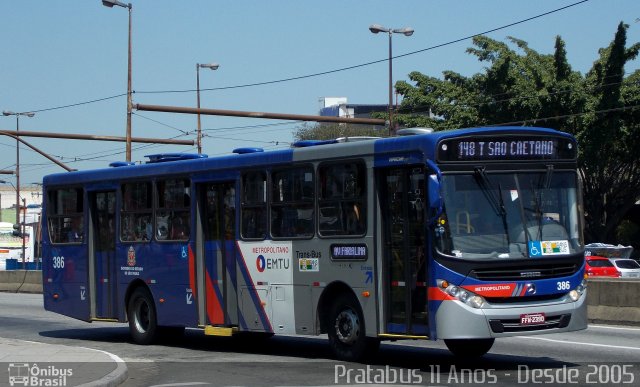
(532, 319)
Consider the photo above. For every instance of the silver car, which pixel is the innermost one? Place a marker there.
(627, 267)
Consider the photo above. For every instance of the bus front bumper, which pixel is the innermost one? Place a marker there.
(514, 320)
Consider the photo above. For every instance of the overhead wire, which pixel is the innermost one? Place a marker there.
(347, 68)
(281, 81)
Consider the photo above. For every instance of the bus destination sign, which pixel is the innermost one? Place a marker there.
(355, 251)
(506, 148)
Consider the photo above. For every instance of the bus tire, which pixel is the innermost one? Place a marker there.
(143, 321)
(469, 348)
(346, 330)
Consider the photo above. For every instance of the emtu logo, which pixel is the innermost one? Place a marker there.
(261, 263)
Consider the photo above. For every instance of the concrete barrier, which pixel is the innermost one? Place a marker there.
(613, 301)
(22, 281)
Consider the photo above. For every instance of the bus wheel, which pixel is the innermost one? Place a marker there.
(347, 332)
(469, 347)
(143, 324)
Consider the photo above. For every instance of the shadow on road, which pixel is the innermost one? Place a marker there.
(401, 356)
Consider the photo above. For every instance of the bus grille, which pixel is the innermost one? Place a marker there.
(513, 325)
(528, 299)
(535, 272)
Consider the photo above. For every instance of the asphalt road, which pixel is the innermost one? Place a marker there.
(600, 355)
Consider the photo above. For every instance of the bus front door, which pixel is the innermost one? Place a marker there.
(102, 271)
(402, 199)
(217, 274)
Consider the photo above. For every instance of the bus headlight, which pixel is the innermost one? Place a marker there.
(462, 295)
(476, 302)
(576, 293)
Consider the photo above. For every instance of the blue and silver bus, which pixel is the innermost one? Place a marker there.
(465, 235)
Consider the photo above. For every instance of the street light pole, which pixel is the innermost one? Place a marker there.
(110, 4)
(24, 247)
(375, 28)
(17, 115)
(212, 66)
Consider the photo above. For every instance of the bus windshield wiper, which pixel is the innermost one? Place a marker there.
(485, 185)
(496, 203)
(543, 187)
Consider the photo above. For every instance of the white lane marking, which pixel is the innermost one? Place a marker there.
(181, 384)
(613, 327)
(580, 343)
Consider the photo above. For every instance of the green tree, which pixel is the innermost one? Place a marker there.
(609, 137)
(316, 131)
(520, 86)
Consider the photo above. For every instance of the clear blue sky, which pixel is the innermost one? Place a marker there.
(65, 52)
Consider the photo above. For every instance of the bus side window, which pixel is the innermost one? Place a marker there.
(136, 224)
(292, 203)
(342, 199)
(65, 211)
(173, 215)
(253, 205)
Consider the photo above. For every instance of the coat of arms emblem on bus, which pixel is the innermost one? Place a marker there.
(131, 257)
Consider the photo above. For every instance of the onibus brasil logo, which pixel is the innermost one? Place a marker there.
(32, 375)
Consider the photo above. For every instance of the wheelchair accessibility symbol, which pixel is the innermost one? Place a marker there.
(535, 249)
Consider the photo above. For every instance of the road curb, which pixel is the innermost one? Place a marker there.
(113, 378)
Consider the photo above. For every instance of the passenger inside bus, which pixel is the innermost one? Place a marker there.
(74, 235)
(355, 225)
(179, 228)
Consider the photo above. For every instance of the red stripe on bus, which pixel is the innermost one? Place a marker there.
(438, 294)
(492, 290)
(214, 309)
(524, 291)
(192, 273)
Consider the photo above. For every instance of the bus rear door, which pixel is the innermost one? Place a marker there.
(402, 202)
(216, 271)
(102, 244)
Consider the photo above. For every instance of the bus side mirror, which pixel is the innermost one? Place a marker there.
(435, 200)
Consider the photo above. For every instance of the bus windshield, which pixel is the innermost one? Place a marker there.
(509, 215)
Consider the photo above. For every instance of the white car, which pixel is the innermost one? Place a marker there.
(627, 267)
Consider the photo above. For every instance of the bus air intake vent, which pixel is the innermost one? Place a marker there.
(242, 151)
(117, 164)
(536, 272)
(413, 131)
(166, 157)
(356, 138)
(308, 143)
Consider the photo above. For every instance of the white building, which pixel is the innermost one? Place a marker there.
(32, 194)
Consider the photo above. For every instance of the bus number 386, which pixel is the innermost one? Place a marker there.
(58, 262)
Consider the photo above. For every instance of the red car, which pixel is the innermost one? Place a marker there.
(601, 267)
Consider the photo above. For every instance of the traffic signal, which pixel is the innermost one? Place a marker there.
(17, 230)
